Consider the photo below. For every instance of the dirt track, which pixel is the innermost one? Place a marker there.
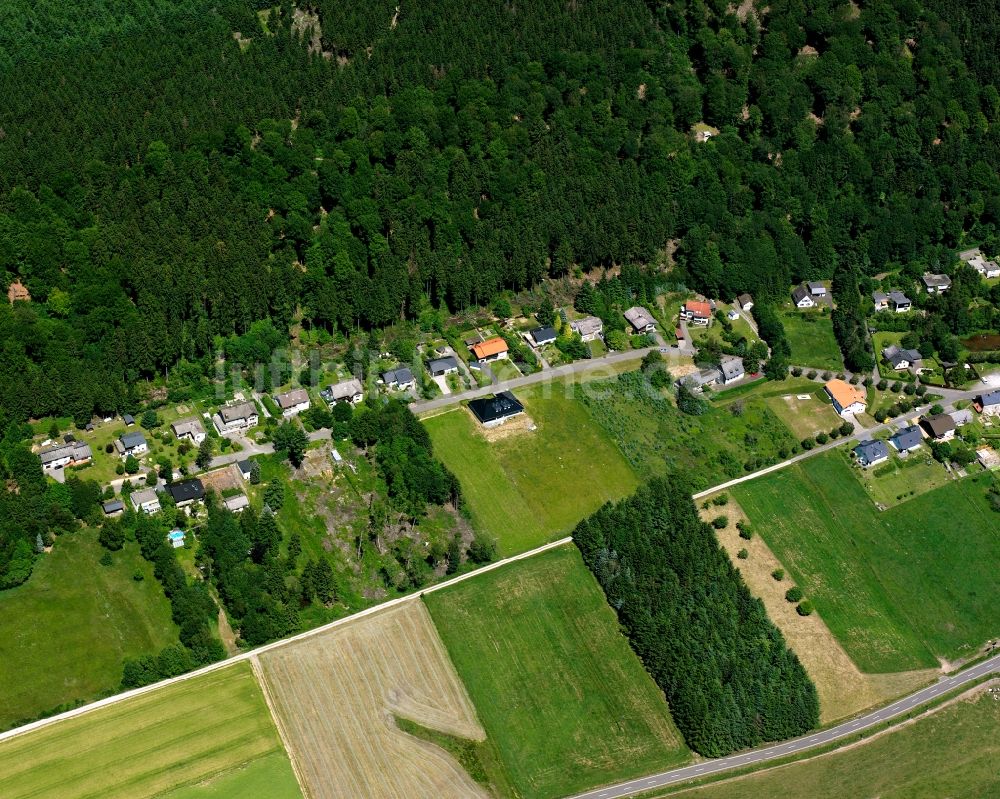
(336, 695)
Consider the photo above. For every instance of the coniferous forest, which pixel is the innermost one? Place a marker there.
(730, 679)
(173, 172)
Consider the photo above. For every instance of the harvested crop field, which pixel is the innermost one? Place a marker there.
(336, 695)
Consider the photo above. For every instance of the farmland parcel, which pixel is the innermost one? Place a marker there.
(336, 694)
(180, 735)
(558, 689)
(898, 588)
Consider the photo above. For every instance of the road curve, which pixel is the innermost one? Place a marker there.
(796, 745)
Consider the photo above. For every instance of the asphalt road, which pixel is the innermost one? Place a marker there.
(796, 745)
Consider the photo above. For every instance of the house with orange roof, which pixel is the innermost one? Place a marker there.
(697, 313)
(846, 398)
(493, 349)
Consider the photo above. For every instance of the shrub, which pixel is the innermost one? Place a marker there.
(743, 554)
(822, 438)
(880, 416)
(745, 532)
(834, 433)
(109, 448)
(882, 385)
(854, 380)
(812, 374)
(909, 389)
(138, 576)
(149, 420)
(936, 408)
(151, 478)
(846, 429)
(827, 375)
(720, 521)
(120, 468)
(778, 574)
(808, 444)
(921, 390)
(131, 464)
(720, 500)
(867, 382)
(804, 608)
(897, 387)
(793, 594)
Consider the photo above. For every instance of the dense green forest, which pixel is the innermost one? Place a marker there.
(164, 184)
(730, 679)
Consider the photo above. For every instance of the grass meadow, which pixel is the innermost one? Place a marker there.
(810, 336)
(556, 686)
(952, 752)
(534, 485)
(85, 618)
(183, 735)
(898, 588)
(270, 776)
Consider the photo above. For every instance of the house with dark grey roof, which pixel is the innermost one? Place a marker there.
(988, 404)
(128, 419)
(443, 366)
(541, 336)
(399, 379)
(745, 301)
(936, 284)
(186, 492)
(732, 368)
(871, 453)
(802, 297)
(940, 427)
(245, 468)
(907, 439)
(236, 417)
(899, 302)
(696, 381)
(131, 444)
(492, 411)
(113, 507)
(881, 300)
(816, 289)
(640, 319)
(73, 453)
(899, 358)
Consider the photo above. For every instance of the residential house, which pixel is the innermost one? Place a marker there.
(936, 284)
(899, 302)
(907, 439)
(940, 427)
(802, 298)
(113, 507)
(18, 292)
(187, 492)
(745, 301)
(988, 404)
(236, 417)
(493, 349)
(129, 419)
(245, 467)
(881, 300)
(541, 336)
(350, 391)
(640, 319)
(732, 369)
(871, 453)
(443, 366)
(847, 399)
(696, 312)
(696, 381)
(733, 315)
(816, 289)
(899, 358)
(236, 504)
(493, 411)
(145, 500)
(590, 328)
(985, 267)
(131, 444)
(292, 402)
(72, 453)
(190, 429)
(400, 379)
(962, 417)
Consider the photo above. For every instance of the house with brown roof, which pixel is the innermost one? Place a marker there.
(589, 328)
(697, 313)
(640, 319)
(847, 399)
(292, 402)
(940, 427)
(493, 349)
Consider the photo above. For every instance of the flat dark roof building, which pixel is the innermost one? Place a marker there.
(187, 490)
(491, 410)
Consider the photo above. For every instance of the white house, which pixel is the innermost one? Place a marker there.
(640, 319)
(541, 336)
(145, 500)
(400, 379)
(350, 391)
(988, 404)
(745, 301)
(71, 453)
(131, 444)
(292, 402)
(236, 417)
(847, 399)
(802, 298)
(697, 313)
(899, 302)
(936, 284)
(732, 369)
(190, 429)
(985, 267)
(447, 365)
(589, 328)
(816, 289)
(881, 300)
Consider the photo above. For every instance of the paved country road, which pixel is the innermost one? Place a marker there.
(796, 745)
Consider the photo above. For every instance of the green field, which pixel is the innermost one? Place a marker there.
(555, 684)
(952, 753)
(805, 417)
(898, 588)
(900, 479)
(182, 735)
(270, 777)
(65, 632)
(810, 336)
(533, 486)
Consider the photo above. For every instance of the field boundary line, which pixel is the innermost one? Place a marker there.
(252, 653)
(265, 689)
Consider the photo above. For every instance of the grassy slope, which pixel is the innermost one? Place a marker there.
(180, 735)
(897, 588)
(555, 684)
(84, 619)
(952, 753)
(534, 486)
(810, 335)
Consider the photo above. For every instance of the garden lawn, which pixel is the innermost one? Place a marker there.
(534, 485)
(805, 417)
(556, 686)
(900, 479)
(898, 588)
(953, 752)
(184, 734)
(65, 632)
(810, 336)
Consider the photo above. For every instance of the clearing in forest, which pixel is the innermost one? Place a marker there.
(336, 696)
(191, 733)
(560, 691)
